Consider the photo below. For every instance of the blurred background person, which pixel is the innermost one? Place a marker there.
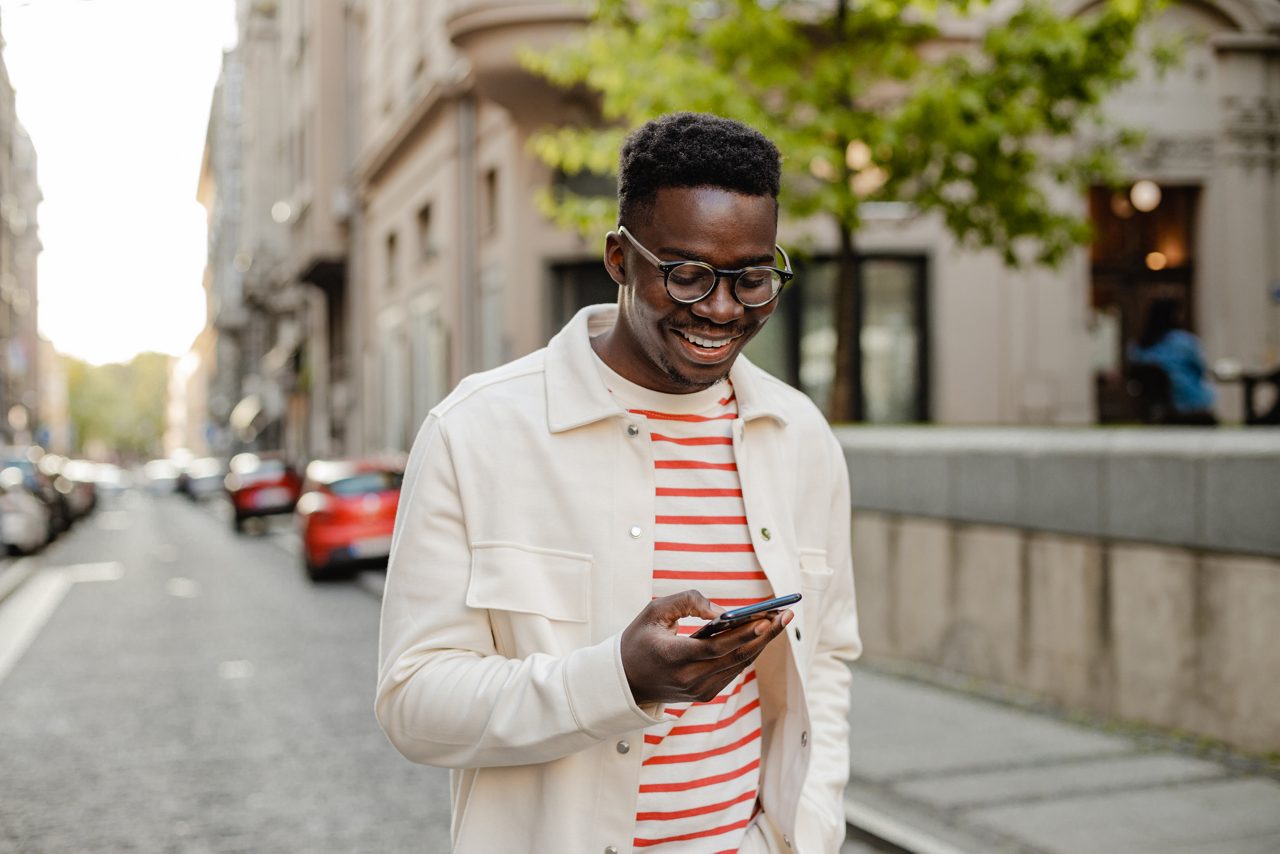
(1167, 345)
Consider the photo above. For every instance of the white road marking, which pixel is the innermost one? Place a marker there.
(235, 669)
(183, 588)
(24, 614)
(12, 575)
(112, 570)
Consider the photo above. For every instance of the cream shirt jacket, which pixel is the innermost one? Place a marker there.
(524, 546)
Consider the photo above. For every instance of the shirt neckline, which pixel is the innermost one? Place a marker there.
(633, 396)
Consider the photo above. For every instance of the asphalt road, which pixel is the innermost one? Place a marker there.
(191, 691)
(167, 685)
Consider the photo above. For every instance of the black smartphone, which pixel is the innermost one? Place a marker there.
(738, 616)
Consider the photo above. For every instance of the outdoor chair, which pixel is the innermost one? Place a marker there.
(1148, 385)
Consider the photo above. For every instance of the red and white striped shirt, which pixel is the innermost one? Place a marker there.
(700, 772)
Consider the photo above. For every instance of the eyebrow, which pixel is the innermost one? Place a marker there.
(685, 255)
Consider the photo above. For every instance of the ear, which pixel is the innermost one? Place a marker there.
(615, 258)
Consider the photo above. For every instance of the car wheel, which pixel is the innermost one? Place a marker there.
(237, 523)
(315, 572)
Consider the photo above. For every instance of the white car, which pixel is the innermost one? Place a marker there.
(111, 480)
(24, 519)
(161, 476)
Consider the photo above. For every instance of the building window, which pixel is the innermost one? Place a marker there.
(587, 184)
(891, 359)
(429, 346)
(798, 344)
(426, 239)
(391, 260)
(489, 203)
(395, 388)
(575, 286)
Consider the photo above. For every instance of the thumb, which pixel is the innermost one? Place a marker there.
(687, 603)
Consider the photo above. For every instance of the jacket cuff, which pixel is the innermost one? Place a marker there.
(599, 694)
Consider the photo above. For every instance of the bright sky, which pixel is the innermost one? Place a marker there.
(115, 95)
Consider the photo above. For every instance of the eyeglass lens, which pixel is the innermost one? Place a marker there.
(692, 281)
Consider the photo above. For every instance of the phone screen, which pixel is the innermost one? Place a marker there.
(738, 616)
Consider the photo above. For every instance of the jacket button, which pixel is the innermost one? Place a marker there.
(623, 747)
(804, 739)
(611, 849)
(633, 430)
(786, 839)
(636, 532)
(797, 633)
(764, 532)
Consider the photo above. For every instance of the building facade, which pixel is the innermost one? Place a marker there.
(19, 246)
(414, 253)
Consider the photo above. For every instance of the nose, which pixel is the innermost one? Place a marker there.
(719, 306)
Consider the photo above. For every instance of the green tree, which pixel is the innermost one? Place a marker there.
(867, 103)
(121, 405)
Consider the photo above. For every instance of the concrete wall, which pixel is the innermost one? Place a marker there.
(1098, 571)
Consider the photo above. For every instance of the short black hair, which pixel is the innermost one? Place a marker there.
(693, 150)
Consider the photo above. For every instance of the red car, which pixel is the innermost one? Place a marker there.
(261, 485)
(346, 514)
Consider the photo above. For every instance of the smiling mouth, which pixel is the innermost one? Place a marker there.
(706, 343)
(704, 350)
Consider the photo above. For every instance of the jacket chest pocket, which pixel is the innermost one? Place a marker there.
(815, 577)
(539, 600)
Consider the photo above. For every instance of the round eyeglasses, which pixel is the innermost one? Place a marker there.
(693, 281)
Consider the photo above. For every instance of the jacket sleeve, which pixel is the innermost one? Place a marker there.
(820, 822)
(445, 696)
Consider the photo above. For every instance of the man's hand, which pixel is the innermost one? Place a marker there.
(663, 667)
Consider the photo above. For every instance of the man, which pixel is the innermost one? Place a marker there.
(564, 515)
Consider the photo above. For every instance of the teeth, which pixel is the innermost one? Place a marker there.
(706, 342)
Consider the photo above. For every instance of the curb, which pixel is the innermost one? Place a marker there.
(918, 830)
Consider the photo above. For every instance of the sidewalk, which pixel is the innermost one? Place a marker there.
(940, 771)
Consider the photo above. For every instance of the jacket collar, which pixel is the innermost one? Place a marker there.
(577, 396)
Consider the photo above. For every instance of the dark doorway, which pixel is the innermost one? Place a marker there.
(1143, 249)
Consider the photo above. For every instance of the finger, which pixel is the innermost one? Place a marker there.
(734, 664)
(687, 603)
(726, 641)
(749, 639)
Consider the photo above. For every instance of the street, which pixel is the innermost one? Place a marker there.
(193, 692)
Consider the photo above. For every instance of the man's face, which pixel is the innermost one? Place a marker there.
(651, 343)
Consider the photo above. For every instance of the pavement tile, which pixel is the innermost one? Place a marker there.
(1241, 816)
(1059, 780)
(901, 728)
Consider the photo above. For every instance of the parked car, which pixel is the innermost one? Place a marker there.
(261, 485)
(41, 485)
(202, 478)
(24, 518)
(161, 476)
(82, 476)
(346, 514)
(111, 480)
